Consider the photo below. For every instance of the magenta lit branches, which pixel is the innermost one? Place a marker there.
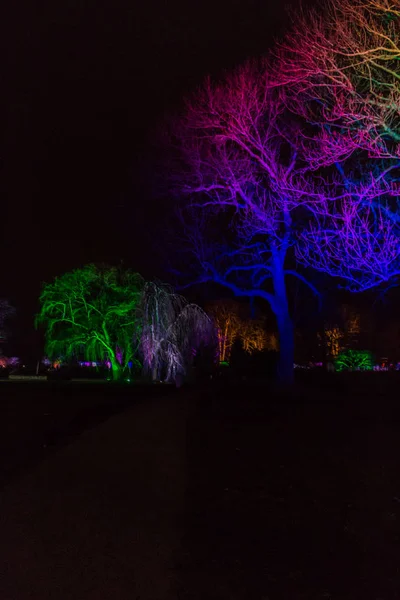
(172, 332)
(290, 166)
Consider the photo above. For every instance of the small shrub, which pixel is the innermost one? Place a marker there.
(354, 360)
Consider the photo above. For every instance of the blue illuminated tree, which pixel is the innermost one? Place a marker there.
(257, 171)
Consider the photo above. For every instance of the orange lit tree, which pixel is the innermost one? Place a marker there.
(333, 341)
(230, 327)
(344, 333)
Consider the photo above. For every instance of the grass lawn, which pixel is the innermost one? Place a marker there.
(233, 492)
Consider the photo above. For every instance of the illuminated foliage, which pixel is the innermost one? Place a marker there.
(92, 312)
(354, 360)
(9, 362)
(333, 341)
(172, 332)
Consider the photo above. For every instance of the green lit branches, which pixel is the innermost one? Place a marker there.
(92, 312)
(354, 360)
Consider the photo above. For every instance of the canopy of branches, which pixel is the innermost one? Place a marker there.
(92, 312)
(111, 315)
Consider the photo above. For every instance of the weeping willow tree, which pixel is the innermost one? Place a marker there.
(92, 313)
(172, 332)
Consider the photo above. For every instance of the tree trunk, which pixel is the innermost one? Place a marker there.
(116, 370)
(284, 321)
(286, 347)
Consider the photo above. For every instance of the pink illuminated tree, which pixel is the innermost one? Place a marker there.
(243, 167)
(285, 186)
(340, 71)
(343, 63)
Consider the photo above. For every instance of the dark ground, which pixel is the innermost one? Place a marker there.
(229, 493)
(37, 418)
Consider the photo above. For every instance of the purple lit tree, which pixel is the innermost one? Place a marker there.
(271, 179)
(343, 63)
(10, 363)
(244, 171)
(340, 72)
(172, 332)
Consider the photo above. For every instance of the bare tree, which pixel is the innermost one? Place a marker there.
(297, 164)
(242, 160)
(228, 324)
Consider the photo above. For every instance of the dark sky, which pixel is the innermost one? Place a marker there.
(83, 85)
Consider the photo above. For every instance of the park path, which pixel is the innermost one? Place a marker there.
(102, 517)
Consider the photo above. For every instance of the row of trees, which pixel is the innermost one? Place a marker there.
(231, 326)
(113, 315)
(296, 157)
(103, 314)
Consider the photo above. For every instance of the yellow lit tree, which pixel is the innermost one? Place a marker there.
(333, 339)
(254, 337)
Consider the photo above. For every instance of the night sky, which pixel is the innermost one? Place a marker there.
(84, 87)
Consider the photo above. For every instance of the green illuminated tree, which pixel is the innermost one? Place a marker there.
(354, 360)
(92, 312)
